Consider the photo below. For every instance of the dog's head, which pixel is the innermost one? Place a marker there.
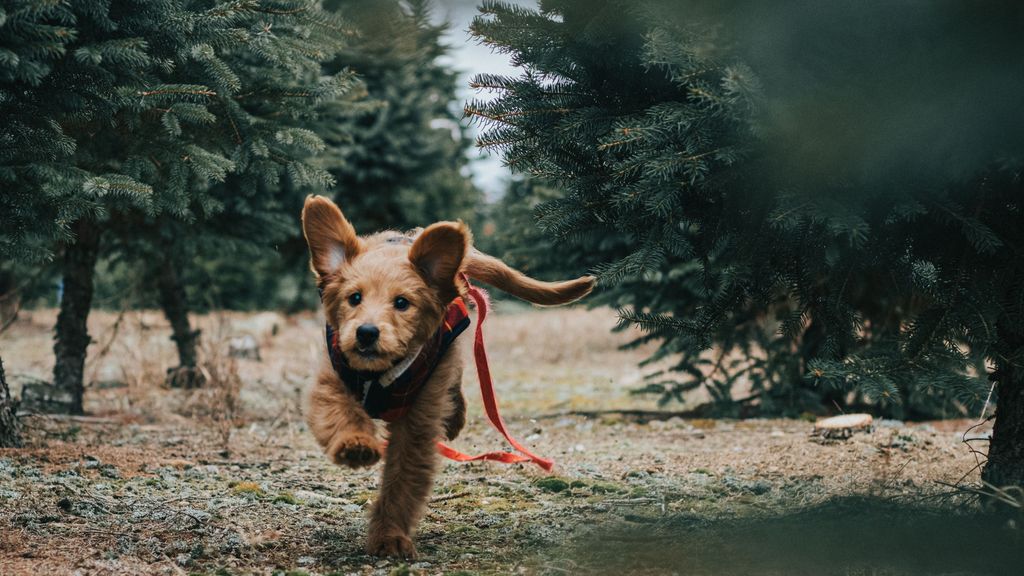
(385, 294)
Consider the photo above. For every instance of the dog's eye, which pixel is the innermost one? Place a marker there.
(401, 303)
(355, 299)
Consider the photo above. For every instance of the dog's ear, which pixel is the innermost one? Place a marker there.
(331, 238)
(438, 252)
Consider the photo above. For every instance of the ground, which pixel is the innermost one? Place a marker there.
(227, 479)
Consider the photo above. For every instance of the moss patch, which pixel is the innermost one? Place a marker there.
(286, 497)
(552, 484)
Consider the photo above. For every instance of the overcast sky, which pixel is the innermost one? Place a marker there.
(470, 58)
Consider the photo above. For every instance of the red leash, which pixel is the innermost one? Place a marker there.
(490, 401)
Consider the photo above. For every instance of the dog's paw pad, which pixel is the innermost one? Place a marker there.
(355, 451)
(396, 546)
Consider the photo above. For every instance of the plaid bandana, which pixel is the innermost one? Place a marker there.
(389, 395)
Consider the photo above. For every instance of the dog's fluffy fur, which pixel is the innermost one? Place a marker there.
(425, 272)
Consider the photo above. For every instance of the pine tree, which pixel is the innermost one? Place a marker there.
(258, 203)
(32, 35)
(160, 111)
(398, 160)
(801, 185)
(398, 156)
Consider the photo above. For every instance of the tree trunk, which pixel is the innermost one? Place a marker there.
(175, 305)
(1005, 464)
(72, 337)
(8, 298)
(10, 428)
(172, 300)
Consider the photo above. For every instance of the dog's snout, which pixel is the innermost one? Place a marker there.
(367, 334)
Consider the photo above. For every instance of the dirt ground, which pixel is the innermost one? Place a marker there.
(226, 479)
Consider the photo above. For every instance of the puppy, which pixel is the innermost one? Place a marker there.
(393, 307)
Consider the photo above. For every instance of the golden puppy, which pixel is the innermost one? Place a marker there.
(393, 307)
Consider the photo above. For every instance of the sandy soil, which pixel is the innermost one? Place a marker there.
(229, 481)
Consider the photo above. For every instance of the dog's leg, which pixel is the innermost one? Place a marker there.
(341, 425)
(456, 421)
(411, 463)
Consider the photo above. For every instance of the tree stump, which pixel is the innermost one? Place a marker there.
(842, 427)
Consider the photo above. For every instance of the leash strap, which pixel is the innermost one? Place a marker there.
(490, 400)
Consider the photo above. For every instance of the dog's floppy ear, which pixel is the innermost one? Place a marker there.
(331, 238)
(438, 252)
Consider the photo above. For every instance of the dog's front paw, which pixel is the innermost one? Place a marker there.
(354, 450)
(391, 545)
(456, 421)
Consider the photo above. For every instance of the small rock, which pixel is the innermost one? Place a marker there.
(898, 443)
(7, 468)
(180, 464)
(45, 398)
(700, 478)
(196, 515)
(110, 471)
(233, 543)
(886, 423)
(244, 347)
(316, 497)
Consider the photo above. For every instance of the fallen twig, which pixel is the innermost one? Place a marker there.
(641, 414)
(450, 497)
(631, 501)
(1012, 496)
(69, 418)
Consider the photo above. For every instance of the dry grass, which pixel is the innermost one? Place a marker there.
(544, 360)
(146, 485)
(218, 402)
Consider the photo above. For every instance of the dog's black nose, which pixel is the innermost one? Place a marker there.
(367, 334)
